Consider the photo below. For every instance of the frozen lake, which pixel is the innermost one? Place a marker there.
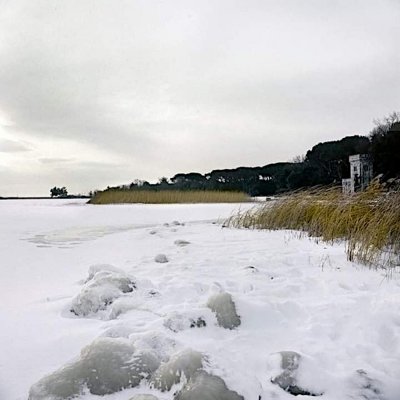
(289, 294)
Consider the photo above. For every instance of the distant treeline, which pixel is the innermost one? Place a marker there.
(326, 163)
(70, 196)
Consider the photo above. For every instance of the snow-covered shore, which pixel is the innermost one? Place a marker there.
(290, 294)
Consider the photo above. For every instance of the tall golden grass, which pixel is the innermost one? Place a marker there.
(167, 197)
(369, 221)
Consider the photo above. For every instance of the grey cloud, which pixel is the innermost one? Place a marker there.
(101, 165)
(189, 85)
(55, 160)
(12, 146)
(61, 163)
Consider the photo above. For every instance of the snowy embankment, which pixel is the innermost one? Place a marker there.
(160, 300)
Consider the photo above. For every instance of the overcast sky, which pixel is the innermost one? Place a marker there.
(96, 93)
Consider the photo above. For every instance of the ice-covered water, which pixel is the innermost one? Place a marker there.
(106, 317)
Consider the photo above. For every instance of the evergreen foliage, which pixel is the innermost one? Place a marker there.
(326, 163)
(58, 192)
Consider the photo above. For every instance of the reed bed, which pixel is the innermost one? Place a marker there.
(168, 197)
(369, 222)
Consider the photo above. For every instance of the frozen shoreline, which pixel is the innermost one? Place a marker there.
(290, 294)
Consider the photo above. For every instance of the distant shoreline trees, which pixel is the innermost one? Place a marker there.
(326, 163)
(58, 192)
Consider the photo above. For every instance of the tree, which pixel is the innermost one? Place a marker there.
(192, 180)
(385, 145)
(330, 160)
(298, 159)
(58, 192)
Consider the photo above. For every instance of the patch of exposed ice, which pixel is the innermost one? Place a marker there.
(181, 366)
(206, 387)
(144, 397)
(225, 310)
(106, 366)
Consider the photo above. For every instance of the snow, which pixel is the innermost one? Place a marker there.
(138, 325)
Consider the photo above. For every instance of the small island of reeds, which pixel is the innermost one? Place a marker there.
(168, 196)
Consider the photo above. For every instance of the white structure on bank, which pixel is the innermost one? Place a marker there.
(360, 174)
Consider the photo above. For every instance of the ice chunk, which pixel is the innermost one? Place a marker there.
(181, 243)
(144, 397)
(155, 342)
(206, 387)
(287, 379)
(366, 388)
(93, 299)
(94, 269)
(161, 258)
(65, 383)
(106, 366)
(182, 365)
(121, 330)
(122, 305)
(176, 322)
(179, 322)
(101, 289)
(224, 308)
(112, 365)
(101, 274)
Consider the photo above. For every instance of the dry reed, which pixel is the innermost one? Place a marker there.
(167, 197)
(369, 221)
